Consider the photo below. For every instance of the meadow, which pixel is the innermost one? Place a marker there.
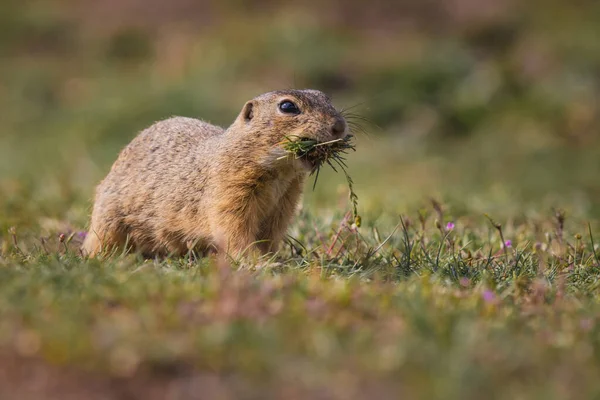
(475, 271)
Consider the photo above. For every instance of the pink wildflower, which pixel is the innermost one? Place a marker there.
(488, 296)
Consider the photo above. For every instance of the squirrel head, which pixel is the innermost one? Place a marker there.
(274, 117)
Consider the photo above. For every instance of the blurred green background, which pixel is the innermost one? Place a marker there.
(491, 105)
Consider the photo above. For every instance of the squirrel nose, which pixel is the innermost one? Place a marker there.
(339, 127)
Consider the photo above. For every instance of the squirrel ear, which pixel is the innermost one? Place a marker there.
(248, 111)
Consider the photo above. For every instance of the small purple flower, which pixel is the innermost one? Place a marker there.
(449, 226)
(508, 244)
(82, 235)
(488, 296)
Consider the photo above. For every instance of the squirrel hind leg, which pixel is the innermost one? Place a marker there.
(99, 241)
(92, 245)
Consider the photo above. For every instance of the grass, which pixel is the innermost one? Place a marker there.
(330, 153)
(422, 309)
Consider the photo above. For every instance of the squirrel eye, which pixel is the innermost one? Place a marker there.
(287, 107)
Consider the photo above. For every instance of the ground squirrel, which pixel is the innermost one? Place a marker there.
(185, 184)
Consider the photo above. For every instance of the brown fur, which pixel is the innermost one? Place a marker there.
(184, 184)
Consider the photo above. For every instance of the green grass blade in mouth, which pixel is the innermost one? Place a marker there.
(316, 172)
(330, 152)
